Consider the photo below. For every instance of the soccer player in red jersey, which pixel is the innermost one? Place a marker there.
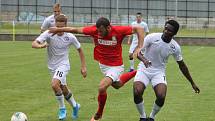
(108, 52)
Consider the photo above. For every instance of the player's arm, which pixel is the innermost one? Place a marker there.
(66, 29)
(129, 39)
(42, 30)
(140, 34)
(36, 44)
(44, 26)
(83, 62)
(145, 61)
(186, 73)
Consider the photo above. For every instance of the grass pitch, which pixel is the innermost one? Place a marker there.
(25, 86)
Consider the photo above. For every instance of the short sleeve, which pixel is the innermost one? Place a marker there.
(125, 30)
(43, 37)
(45, 24)
(75, 42)
(146, 42)
(146, 28)
(177, 54)
(89, 30)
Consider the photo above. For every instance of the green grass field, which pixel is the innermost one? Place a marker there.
(25, 86)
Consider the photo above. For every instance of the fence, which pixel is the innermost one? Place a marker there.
(190, 13)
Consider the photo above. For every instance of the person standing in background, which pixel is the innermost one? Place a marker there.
(133, 44)
(50, 20)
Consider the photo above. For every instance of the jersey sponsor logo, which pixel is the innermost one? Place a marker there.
(107, 42)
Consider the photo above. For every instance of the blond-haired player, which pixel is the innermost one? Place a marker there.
(50, 20)
(58, 63)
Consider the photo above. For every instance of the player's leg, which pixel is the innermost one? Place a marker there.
(119, 78)
(102, 97)
(160, 88)
(123, 79)
(141, 80)
(59, 79)
(60, 98)
(58, 92)
(71, 100)
(131, 59)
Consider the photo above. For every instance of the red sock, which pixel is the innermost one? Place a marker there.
(101, 102)
(125, 77)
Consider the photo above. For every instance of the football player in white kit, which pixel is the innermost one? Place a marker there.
(50, 20)
(133, 44)
(58, 63)
(154, 55)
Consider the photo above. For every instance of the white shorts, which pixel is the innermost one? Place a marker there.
(146, 77)
(112, 71)
(60, 73)
(133, 46)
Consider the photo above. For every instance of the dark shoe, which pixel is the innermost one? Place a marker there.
(143, 119)
(151, 119)
(130, 70)
(96, 117)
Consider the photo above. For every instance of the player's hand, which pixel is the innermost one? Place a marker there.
(136, 52)
(53, 30)
(197, 90)
(44, 45)
(145, 61)
(84, 71)
(129, 42)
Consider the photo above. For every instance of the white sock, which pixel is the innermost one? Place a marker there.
(71, 101)
(131, 64)
(60, 100)
(155, 110)
(141, 110)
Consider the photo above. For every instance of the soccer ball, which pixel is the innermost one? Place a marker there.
(19, 116)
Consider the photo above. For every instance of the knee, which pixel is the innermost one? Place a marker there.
(55, 84)
(116, 85)
(68, 96)
(102, 89)
(160, 100)
(137, 95)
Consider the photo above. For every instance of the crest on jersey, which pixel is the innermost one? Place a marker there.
(113, 38)
(66, 38)
(173, 47)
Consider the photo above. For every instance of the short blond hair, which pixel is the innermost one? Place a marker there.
(57, 6)
(61, 18)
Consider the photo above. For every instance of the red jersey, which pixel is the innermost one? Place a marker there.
(108, 49)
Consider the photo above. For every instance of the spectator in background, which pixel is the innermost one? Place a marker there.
(50, 20)
(133, 44)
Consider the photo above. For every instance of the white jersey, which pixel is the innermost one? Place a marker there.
(142, 24)
(48, 22)
(158, 51)
(58, 49)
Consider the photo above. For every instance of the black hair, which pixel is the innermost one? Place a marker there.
(102, 22)
(174, 23)
(139, 13)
